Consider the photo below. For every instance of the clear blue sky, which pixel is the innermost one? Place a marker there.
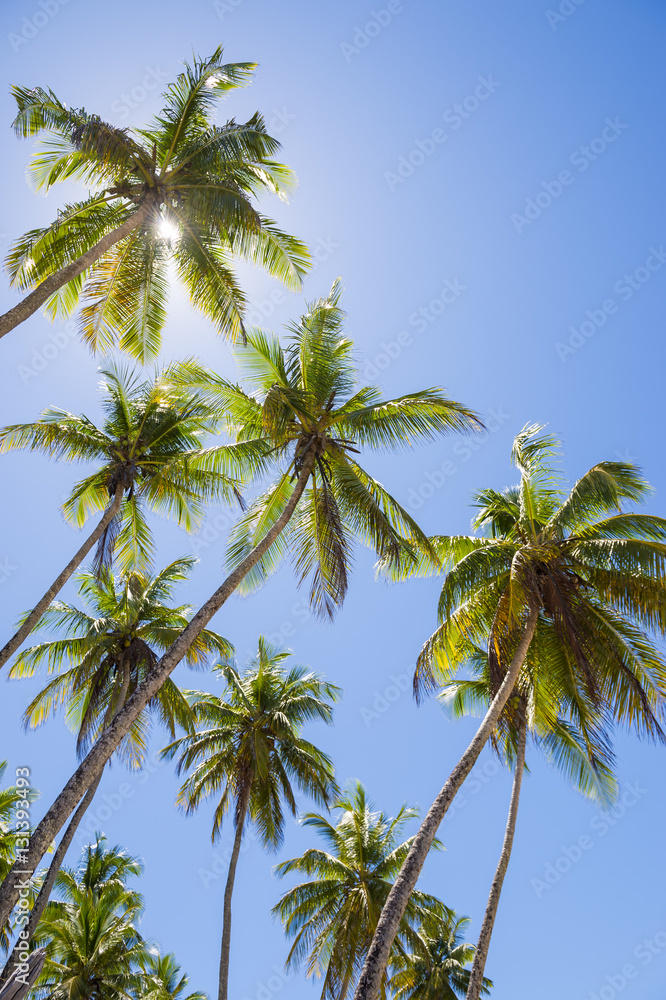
(486, 234)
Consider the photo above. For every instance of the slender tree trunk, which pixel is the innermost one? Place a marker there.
(228, 892)
(44, 894)
(378, 954)
(31, 303)
(33, 618)
(481, 954)
(94, 762)
(64, 845)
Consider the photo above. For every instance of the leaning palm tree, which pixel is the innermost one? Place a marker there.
(333, 916)
(582, 752)
(179, 191)
(150, 456)
(306, 410)
(250, 750)
(438, 966)
(93, 948)
(571, 567)
(161, 979)
(104, 654)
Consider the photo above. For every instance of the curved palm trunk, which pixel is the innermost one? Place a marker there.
(377, 958)
(93, 764)
(31, 303)
(223, 985)
(481, 954)
(47, 886)
(33, 618)
(64, 845)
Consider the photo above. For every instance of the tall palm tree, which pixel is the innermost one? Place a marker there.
(533, 710)
(150, 456)
(13, 828)
(572, 567)
(311, 417)
(93, 948)
(437, 968)
(161, 979)
(104, 654)
(179, 191)
(333, 917)
(250, 750)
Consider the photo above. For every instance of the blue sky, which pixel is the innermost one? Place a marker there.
(488, 180)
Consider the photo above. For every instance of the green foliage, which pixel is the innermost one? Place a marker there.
(150, 446)
(333, 917)
(436, 969)
(302, 399)
(107, 651)
(198, 182)
(249, 748)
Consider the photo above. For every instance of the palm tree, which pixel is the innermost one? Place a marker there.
(161, 979)
(575, 569)
(109, 649)
(179, 191)
(93, 949)
(13, 828)
(585, 757)
(437, 968)
(251, 751)
(311, 416)
(150, 454)
(332, 918)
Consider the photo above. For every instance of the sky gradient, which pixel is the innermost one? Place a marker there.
(488, 181)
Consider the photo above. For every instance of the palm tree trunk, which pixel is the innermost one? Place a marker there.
(47, 886)
(31, 303)
(481, 954)
(94, 762)
(378, 954)
(228, 892)
(33, 618)
(64, 845)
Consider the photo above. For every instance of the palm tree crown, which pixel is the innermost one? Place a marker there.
(149, 447)
(437, 968)
(184, 185)
(595, 575)
(302, 404)
(333, 917)
(109, 649)
(249, 747)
